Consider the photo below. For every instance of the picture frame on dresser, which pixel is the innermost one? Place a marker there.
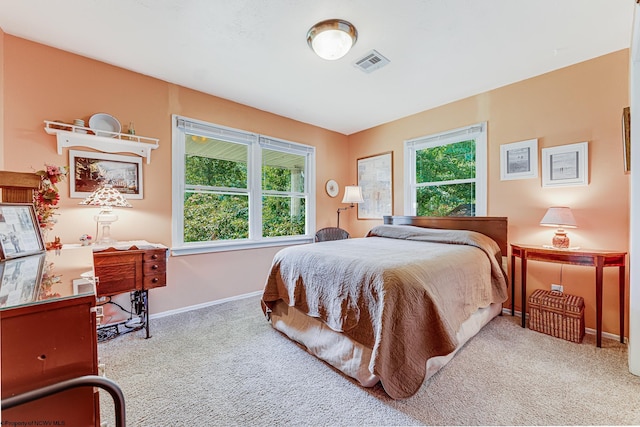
(90, 170)
(19, 231)
(565, 165)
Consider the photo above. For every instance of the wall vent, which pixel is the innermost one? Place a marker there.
(371, 62)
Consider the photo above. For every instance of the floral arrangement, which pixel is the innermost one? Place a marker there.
(47, 197)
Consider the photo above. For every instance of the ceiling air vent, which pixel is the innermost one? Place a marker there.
(371, 62)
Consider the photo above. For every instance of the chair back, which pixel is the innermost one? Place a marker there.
(18, 187)
(331, 233)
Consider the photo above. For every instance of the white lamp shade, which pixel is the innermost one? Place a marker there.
(332, 39)
(352, 194)
(559, 217)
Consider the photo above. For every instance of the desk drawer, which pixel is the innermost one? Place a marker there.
(118, 272)
(154, 268)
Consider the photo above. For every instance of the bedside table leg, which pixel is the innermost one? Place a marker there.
(621, 286)
(599, 303)
(523, 289)
(513, 284)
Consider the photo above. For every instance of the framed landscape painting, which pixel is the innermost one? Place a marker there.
(88, 171)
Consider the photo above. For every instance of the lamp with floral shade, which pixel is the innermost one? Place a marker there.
(107, 198)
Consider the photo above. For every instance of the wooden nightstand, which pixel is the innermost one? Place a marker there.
(586, 257)
(132, 267)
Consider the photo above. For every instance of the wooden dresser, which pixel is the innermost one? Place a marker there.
(48, 335)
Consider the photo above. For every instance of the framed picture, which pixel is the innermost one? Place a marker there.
(19, 231)
(375, 178)
(88, 171)
(626, 138)
(566, 165)
(519, 160)
(21, 279)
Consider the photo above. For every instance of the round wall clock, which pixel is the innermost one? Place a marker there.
(332, 188)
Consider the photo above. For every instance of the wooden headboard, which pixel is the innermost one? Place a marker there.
(492, 226)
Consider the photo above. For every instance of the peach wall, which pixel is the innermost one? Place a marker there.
(1, 97)
(578, 103)
(583, 102)
(42, 83)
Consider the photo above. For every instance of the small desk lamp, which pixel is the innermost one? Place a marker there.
(107, 198)
(352, 194)
(561, 218)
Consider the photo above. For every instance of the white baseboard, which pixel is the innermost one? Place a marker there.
(203, 305)
(507, 311)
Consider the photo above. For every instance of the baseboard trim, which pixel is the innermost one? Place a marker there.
(507, 311)
(203, 305)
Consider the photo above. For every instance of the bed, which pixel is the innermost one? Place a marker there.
(395, 306)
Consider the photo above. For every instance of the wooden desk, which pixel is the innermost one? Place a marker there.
(586, 257)
(131, 267)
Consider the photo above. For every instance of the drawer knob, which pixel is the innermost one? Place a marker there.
(154, 256)
(154, 280)
(154, 266)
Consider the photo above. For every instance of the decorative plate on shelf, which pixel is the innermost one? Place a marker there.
(332, 188)
(105, 122)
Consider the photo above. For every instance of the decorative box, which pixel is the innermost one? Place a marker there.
(557, 314)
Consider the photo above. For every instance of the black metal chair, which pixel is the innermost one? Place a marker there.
(331, 233)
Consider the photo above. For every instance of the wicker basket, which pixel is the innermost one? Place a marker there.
(557, 314)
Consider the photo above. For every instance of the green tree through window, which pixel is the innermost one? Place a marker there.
(447, 173)
(241, 186)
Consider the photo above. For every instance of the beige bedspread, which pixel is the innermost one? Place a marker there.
(402, 291)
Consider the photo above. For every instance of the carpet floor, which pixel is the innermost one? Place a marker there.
(224, 365)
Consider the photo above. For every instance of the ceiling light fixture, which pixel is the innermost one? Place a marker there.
(332, 39)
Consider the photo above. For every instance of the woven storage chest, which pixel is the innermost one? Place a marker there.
(557, 314)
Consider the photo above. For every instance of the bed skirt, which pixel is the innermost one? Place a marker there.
(350, 357)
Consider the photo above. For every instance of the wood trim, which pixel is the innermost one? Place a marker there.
(18, 187)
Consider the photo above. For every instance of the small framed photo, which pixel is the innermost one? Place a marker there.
(88, 171)
(21, 278)
(19, 231)
(565, 165)
(519, 160)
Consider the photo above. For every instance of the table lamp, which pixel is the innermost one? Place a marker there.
(561, 218)
(107, 198)
(352, 194)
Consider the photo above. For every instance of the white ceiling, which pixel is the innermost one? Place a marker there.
(255, 52)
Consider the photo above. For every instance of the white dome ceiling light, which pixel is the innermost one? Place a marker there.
(332, 39)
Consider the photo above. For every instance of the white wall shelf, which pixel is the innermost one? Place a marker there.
(77, 136)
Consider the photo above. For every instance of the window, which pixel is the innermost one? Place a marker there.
(447, 173)
(235, 189)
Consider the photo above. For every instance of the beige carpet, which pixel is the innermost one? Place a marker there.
(225, 365)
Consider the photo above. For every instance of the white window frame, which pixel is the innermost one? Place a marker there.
(478, 133)
(255, 143)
